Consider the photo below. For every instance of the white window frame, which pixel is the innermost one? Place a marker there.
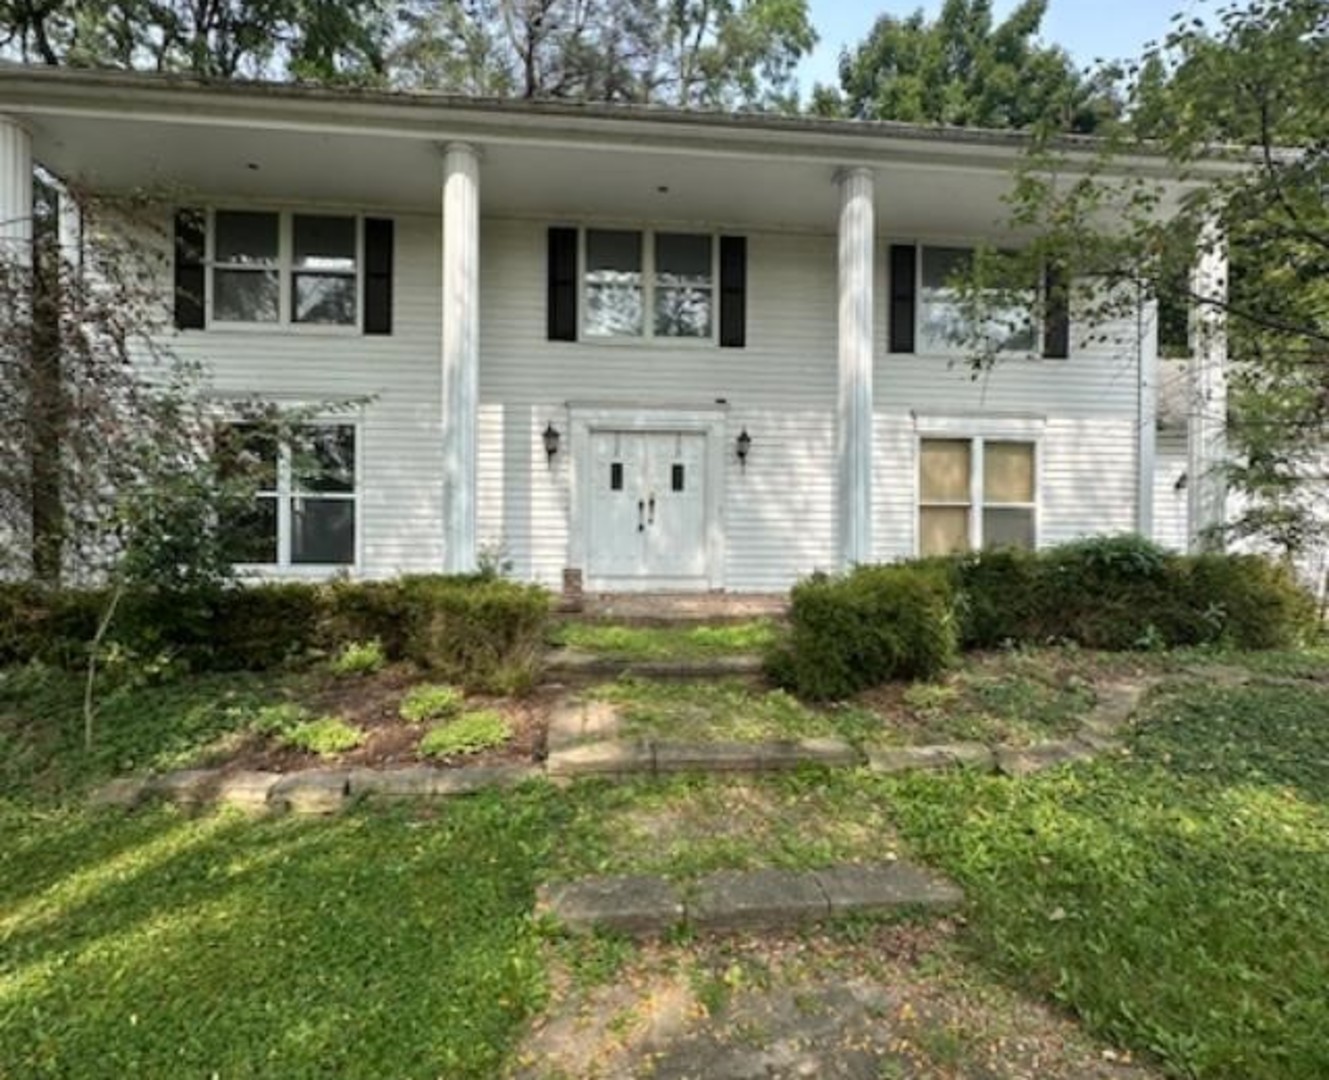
(285, 493)
(950, 350)
(648, 336)
(1014, 431)
(286, 271)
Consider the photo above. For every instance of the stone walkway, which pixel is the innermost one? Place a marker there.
(751, 900)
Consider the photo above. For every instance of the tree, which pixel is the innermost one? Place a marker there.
(1238, 116)
(323, 40)
(966, 69)
(685, 53)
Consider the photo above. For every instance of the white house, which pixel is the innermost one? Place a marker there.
(661, 350)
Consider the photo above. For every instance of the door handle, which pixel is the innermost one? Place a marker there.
(651, 519)
(641, 510)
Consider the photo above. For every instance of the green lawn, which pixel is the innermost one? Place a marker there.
(1176, 899)
(646, 643)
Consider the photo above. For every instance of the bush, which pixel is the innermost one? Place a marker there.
(430, 701)
(359, 658)
(325, 736)
(483, 633)
(865, 628)
(1250, 603)
(470, 733)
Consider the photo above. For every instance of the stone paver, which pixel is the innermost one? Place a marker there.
(189, 787)
(1022, 761)
(707, 757)
(247, 790)
(575, 721)
(630, 904)
(832, 753)
(477, 778)
(883, 887)
(311, 792)
(612, 757)
(734, 900)
(126, 793)
(942, 756)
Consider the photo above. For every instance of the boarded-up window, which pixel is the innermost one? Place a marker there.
(944, 486)
(957, 509)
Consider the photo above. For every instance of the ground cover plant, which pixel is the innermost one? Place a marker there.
(646, 643)
(469, 733)
(1176, 900)
(724, 710)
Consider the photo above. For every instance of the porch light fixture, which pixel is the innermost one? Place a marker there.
(744, 445)
(551, 437)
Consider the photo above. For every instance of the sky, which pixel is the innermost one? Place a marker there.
(1087, 29)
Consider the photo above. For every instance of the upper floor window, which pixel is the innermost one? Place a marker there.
(649, 284)
(943, 323)
(270, 267)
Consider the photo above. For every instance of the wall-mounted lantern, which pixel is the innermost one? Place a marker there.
(743, 446)
(551, 437)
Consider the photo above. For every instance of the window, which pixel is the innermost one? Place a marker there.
(304, 510)
(270, 267)
(942, 322)
(649, 285)
(975, 493)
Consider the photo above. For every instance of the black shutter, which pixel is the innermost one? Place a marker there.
(562, 284)
(733, 291)
(378, 275)
(904, 292)
(191, 237)
(1056, 313)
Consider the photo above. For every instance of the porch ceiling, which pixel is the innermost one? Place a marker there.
(627, 181)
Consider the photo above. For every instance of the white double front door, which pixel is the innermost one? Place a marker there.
(647, 525)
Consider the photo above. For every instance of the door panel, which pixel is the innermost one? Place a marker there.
(647, 525)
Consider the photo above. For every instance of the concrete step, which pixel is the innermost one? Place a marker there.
(573, 662)
(746, 900)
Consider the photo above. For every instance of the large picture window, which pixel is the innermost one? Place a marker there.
(976, 493)
(303, 512)
(943, 324)
(269, 267)
(649, 284)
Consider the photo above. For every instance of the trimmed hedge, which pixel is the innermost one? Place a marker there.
(481, 632)
(1116, 593)
(870, 626)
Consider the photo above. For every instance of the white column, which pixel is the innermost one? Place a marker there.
(15, 190)
(853, 437)
(1146, 435)
(461, 352)
(1207, 421)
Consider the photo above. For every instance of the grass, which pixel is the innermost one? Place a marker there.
(724, 710)
(1177, 901)
(684, 827)
(645, 643)
(1013, 698)
(376, 944)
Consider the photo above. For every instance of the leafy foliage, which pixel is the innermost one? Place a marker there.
(470, 733)
(324, 736)
(966, 69)
(865, 628)
(359, 658)
(430, 701)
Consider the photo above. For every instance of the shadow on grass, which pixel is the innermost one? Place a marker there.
(377, 944)
(1178, 902)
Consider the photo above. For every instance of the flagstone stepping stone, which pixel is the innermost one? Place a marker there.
(314, 791)
(629, 904)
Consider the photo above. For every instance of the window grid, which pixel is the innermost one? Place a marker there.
(977, 502)
(288, 494)
(286, 270)
(649, 287)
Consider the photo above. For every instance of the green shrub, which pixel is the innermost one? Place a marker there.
(430, 701)
(1247, 602)
(470, 733)
(325, 736)
(485, 634)
(865, 628)
(359, 658)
